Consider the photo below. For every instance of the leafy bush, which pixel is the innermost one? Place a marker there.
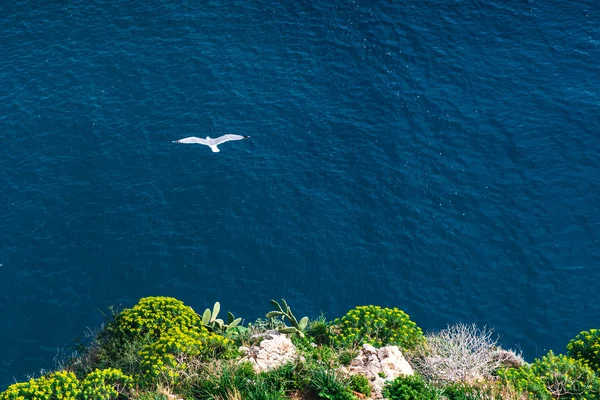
(62, 384)
(98, 385)
(331, 386)
(460, 353)
(263, 390)
(558, 376)
(318, 331)
(376, 326)
(154, 316)
(291, 376)
(360, 384)
(347, 355)
(479, 391)
(136, 327)
(526, 381)
(223, 380)
(586, 347)
(411, 387)
(565, 376)
(105, 384)
(166, 356)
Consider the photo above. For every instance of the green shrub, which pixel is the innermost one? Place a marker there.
(154, 316)
(411, 387)
(586, 347)
(166, 356)
(477, 391)
(526, 381)
(318, 331)
(98, 385)
(566, 376)
(223, 380)
(360, 384)
(61, 385)
(264, 390)
(134, 328)
(346, 356)
(291, 376)
(322, 354)
(558, 376)
(376, 326)
(105, 384)
(329, 385)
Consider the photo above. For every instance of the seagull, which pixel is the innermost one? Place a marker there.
(212, 143)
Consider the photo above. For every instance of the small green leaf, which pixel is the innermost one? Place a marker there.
(286, 308)
(215, 312)
(276, 305)
(273, 314)
(235, 322)
(303, 323)
(206, 317)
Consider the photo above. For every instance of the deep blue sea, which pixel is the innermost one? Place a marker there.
(440, 156)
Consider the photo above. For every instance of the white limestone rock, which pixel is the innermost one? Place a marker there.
(370, 362)
(273, 350)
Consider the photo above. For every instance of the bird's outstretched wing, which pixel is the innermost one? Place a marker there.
(192, 139)
(226, 138)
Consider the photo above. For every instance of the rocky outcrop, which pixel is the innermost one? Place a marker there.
(374, 363)
(272, 350)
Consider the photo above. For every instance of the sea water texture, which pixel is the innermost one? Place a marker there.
(438, 156)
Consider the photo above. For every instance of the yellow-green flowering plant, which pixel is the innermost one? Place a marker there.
(154, 316)
(105, 384)
(58, 385)
(63, 385)
(145, 323)
(561, 376)
(377, 326)
(586, 347)
(167, 356)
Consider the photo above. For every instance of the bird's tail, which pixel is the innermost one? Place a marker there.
(214, 148)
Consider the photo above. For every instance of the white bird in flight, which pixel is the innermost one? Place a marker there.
(212, 143)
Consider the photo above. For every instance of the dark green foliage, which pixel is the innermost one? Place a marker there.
(240, 380)
(323, 354)
(263, 390)
(409, 388)
(463, 391)
(289, 377)
(329, 385)
(586, 347)
(151, 396)
(318, 332)
(360, 384)
(347, 355)
(221, 382)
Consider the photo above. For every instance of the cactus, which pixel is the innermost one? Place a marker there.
(286, 312)
(217, 325)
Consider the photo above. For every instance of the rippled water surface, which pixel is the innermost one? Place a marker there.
(438, 156)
